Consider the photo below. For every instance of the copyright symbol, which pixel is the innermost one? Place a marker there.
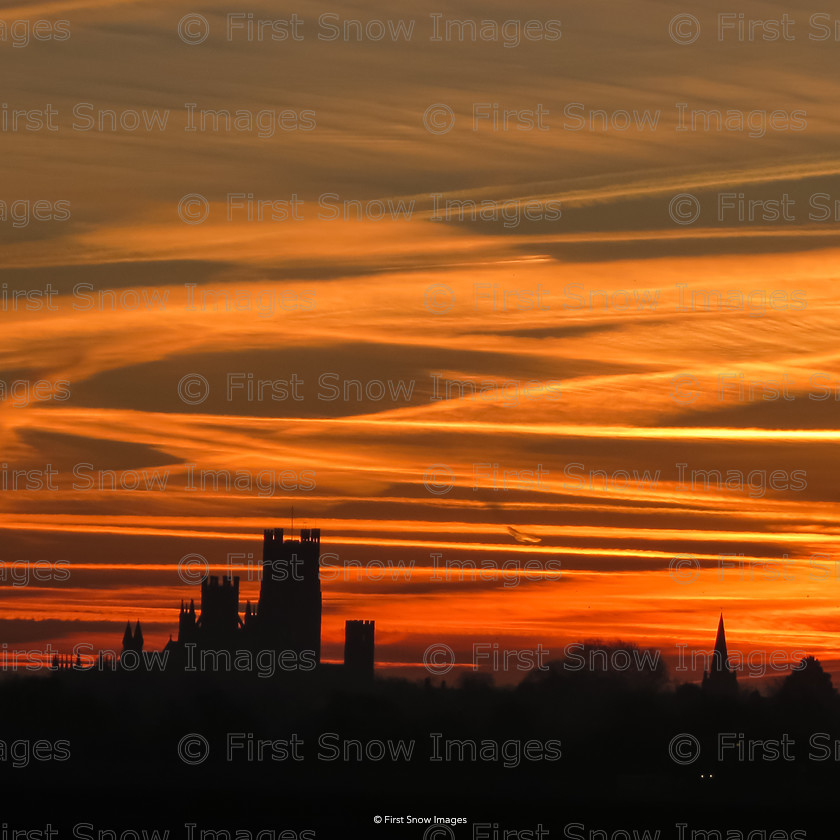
(437, 830)
(684, 749)
(193, 569)
(684, 29)
(377, 820)
(684, 569)
(438, 298)
(193, 209)
(683, 388)
(438, 479)
(684, 209)
(439, 659)
(439, 118)
(193, 389)
(193, 749)
(193, 29)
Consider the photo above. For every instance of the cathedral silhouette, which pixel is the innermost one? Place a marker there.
(286, 618)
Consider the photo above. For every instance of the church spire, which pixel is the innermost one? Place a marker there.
(720, 680)
(721, 657)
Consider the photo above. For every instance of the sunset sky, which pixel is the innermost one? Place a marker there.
(603, 327)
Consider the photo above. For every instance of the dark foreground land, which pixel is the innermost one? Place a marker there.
(594, 756)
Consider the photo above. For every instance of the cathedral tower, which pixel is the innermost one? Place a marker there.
(289, 608)
(359, 648)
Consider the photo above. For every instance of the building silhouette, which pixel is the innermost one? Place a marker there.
(359, 647)
(133, 641)
(286, 618)
(288, 615)
(720, 680)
